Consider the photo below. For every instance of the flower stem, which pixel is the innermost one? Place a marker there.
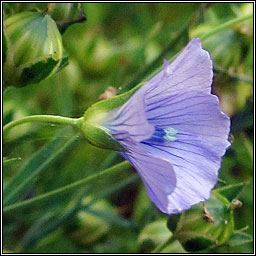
(226, 25)
(123, 166)
(161, 246)
(43, 118)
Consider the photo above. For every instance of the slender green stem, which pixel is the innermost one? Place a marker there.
(43, 118)
(61, 191)
(161, 246)
(226, 25)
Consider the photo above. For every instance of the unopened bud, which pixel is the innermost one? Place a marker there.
(34, 49)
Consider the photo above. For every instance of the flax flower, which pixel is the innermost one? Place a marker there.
(174, 131)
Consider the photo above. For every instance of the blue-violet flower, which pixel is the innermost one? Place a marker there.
(174, 131)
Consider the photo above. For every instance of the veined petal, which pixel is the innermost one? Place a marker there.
(195, 165)
(192, 113)
(131, 117)
(156, 173)
(191, 70)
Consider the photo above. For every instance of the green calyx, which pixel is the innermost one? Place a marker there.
(33, 50)
(100, 137)
(92, 126)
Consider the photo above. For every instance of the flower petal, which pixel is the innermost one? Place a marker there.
(191, 70)
(195, 165)
(131, 117)
(156, 173)
(195, 113)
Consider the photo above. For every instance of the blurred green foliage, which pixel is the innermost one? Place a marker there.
(119, 45)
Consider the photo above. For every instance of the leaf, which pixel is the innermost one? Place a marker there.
(5, 45)
(174, 221)
(90, 227)
(156, 231)
(111, 218)
(239, 238)
(243, 147)
(56, 242)
(51, 221)
(39, 162)
(178, 15)
(231, 191)
(142, 207)
(244, 119)
(10, 161)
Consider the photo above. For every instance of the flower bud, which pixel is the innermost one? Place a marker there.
(209, 224)
(34, 49)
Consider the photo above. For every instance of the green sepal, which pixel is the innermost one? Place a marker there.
(99, 137)
(94, 131)
(38, 72)
(111, 103)
(63, 64)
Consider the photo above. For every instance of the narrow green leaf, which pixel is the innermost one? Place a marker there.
(173, 221)
(231, 191)
(112, 218)
(39, 162)
(243, 119)
(50, 222)
(110, 190)
(154, 234)
(123, 166)
(5, 45)
(239, 238)
(10, 161)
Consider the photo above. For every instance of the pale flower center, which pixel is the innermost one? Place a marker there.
(169, 134)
